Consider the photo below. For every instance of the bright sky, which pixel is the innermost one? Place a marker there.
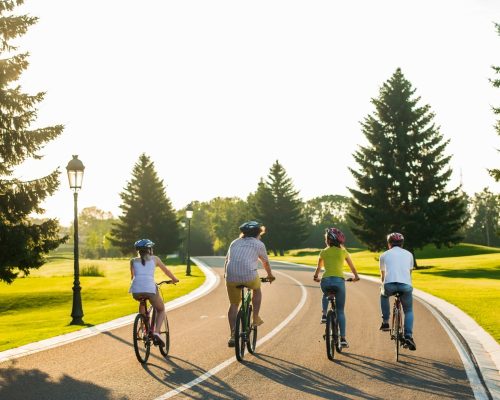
(216, 91)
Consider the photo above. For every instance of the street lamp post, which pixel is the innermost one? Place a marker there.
(189, 215)
(75, 176)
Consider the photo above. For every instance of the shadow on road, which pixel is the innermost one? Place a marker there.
(178, 372)
(304, 379)
(415, 373)
(34, 384)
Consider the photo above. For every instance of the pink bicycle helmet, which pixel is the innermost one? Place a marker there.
(335, 236)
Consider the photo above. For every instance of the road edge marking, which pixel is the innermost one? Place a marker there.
(212, 280)
(231, 360)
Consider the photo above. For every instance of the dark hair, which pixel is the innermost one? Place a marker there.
(143, 253)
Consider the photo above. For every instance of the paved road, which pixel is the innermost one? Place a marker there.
(292, 364)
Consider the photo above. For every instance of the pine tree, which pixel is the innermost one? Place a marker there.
(277, 205)
(403, 173)
(23, 243)
(495, 173)
(147, 212)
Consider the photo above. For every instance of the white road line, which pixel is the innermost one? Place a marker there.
(229, 361)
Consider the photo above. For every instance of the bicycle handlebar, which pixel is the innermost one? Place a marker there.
(170, 282)
(267, 279)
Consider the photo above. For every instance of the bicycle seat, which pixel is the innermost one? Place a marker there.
(241, 286)
(398, 294)
(330, 294)
(142, 298)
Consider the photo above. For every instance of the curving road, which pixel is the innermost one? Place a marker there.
(291, 362)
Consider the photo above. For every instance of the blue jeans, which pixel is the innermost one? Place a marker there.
(338, 285)
(389, 289)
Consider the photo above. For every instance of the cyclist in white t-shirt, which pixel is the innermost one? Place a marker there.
(396, 265)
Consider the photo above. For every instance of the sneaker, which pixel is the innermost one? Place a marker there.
(257, 321)
(230, 342)
(158, 340)
(410, 343)
(323, 319)
(343, 343)
(385, 327)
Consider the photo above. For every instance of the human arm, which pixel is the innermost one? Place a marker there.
(353, 269)
(382, 268)
(131, 269)
(262, 254)
(318, 269)
(165, 270)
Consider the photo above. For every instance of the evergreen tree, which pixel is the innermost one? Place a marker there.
(485, 220)
(495, 173)
(403, 174)
(147, 212)
(277, 205)
(23, 243)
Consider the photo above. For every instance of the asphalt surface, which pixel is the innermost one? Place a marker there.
(290, 364)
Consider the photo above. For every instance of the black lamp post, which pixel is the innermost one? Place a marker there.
(189, 215)
(75, 176)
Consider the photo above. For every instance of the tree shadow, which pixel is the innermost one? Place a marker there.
(417, 374)
(34, 384)
(484, 273)
(304, 380)
(177, 372)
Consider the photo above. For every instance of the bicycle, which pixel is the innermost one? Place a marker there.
(332, 328)
(144, 328)
(245, 333)
(397, 328)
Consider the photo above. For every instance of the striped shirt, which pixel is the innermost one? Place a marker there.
(243, 259)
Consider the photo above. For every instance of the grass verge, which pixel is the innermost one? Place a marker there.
(39, 306)
(467, 276)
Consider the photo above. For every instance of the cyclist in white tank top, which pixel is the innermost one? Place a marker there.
(142, 270)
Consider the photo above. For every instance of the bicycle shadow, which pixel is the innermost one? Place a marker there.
(178, 372)
(27, 384)
(412, 372)
(303, 379)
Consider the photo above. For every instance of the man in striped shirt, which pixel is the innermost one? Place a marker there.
(240, 268)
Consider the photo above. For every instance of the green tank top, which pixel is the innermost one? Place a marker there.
(333, 260)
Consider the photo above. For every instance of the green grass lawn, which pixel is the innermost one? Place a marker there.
(39, 306)
(467, 276)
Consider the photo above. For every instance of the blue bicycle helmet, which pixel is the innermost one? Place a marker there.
(251, 227)
(143, 244)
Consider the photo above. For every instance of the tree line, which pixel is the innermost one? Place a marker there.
(401, 180)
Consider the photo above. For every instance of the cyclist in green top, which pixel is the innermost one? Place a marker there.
(332, 259)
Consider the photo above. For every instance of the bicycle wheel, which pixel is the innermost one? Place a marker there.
(396, 330)
(165, 336)
(239, 336)
(252, 333)
(142, 342)
(336, 333)
(329, 329)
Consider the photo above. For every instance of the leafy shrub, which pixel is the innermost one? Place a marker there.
(91, 270)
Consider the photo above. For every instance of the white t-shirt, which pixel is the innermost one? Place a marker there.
(397, 264)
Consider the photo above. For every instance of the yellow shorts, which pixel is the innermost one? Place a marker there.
(234, 293)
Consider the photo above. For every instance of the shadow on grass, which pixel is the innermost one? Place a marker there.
(472, 273)
(26, 384)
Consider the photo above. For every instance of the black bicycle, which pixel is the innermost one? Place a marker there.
(144, 328)
(332, 328)
(397, 327)
(245, 333)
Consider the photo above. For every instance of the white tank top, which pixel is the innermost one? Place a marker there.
(143, 281)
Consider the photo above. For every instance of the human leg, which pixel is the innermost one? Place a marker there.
(407, 302)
